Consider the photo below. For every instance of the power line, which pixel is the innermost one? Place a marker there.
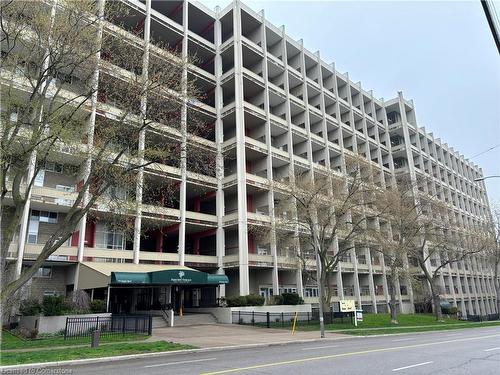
(484, 152)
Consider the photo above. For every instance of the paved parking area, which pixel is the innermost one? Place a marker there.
(219, 335)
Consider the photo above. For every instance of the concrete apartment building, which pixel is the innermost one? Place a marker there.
(277, 110)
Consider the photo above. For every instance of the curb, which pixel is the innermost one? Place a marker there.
(159, 354)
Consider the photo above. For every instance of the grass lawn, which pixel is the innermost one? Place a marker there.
(10, 341)
(384, 321)
(443, 327)
(45, 355)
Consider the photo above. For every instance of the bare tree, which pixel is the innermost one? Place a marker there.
(63, 65)
(493, 251)
(424, 231)
(394, 235)
(323, 210)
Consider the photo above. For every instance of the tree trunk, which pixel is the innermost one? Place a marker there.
(498, 300)
(436, 303)
(393, 303)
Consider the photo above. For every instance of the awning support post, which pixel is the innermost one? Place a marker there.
(107, 298)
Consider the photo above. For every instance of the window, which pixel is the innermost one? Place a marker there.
(311, 292)
(40, 178)
(44, 272)
(44, 216)
(108, 239)
(33, 229)
(54, 167)
(51, 293)
(261, 250)
(69, 189)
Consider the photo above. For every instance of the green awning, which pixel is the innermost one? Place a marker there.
(96, 275)
(177, 277)
(167, 277)
(130, 278)
(217, 279)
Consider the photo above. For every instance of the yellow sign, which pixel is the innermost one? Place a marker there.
(347, 305)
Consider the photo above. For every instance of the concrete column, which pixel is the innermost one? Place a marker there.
(357, 292)
(219, 139)
(32, 168)
(90, 140)
(370, 280)
(269, 163)
(142, 138)
(183, 164)
(240, 151)
(288, 116)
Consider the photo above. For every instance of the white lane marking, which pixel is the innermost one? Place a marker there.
(321, 347)
(489, 350)
(418, 364)
(182, 362)
(410, 338)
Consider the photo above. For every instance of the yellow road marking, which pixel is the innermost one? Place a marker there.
(342, 355)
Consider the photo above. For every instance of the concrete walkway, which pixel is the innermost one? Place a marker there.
(222, 335)
(451, 325)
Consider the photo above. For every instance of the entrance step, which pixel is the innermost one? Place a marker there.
(193, 319)
(159, 322)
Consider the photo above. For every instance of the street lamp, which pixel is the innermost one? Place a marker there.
(484, 178)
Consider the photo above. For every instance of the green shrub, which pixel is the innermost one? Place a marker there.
(54, 305)
(277, 300)
(30, 307)
(451, 310)
(249, 300)
(255, 300)
(98, 306)
(236, 301)
(292, 299)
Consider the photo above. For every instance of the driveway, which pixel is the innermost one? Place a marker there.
(219, 335)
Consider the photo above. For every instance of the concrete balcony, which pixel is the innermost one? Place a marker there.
(51, 197)
(257, 181)
(287, 262)
(260, 260)
(258, 219)
(231, 260)
(31, 251)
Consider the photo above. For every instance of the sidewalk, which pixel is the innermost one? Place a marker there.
(225, 335)
(457, 325)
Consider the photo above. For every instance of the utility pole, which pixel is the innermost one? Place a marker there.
(488, 10)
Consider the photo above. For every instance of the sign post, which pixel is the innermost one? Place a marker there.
(349, 306)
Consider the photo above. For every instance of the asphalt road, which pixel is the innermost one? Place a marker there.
(467, 351)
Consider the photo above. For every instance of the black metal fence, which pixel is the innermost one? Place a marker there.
(482, 318)
(285, 320)
(112, 325)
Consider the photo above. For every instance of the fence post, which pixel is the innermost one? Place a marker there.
(150, 328)
(308, 318)
(123, 325)
(66, 328)
(253, 318)
(268, 319)
(239, 317)
(282, 322)
(97, 323)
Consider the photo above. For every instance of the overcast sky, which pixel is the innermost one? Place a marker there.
(440, 54)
